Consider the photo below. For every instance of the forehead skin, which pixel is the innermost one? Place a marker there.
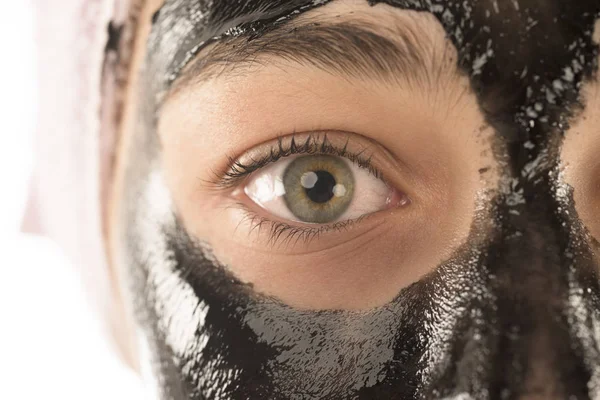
(521, 247)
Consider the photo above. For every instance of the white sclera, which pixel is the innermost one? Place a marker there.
(266, 189)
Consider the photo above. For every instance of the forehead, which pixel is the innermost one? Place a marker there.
(520, 35)
(526, 59)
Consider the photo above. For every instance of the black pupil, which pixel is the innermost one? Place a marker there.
(322, 191)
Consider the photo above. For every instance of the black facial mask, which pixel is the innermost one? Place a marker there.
(514, 312)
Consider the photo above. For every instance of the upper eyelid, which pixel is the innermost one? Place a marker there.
(312, 143)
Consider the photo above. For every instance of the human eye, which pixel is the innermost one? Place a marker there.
(305, 187)
(323, 191)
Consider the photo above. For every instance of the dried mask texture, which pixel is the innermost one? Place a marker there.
(513, 313)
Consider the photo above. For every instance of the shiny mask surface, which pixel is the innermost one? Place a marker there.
(513, 313)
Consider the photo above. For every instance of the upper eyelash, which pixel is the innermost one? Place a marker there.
(313, 144)
(281, 232)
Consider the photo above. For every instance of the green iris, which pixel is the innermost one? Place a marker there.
(318, 188)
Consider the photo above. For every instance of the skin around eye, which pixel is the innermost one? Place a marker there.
(581, 164)
(320, 189)
(431, 146)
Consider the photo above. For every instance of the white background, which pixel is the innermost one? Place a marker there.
(50, 343)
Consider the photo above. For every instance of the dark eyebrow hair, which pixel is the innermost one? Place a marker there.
(353, 49)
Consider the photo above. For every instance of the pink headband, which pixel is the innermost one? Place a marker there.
(76, 136)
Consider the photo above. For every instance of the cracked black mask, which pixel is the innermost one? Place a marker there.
(512, 313)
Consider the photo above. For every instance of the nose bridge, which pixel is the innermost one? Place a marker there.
(522, 342)
(533, 345)
(526, 338)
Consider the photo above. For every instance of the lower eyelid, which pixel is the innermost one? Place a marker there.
(284, 233)
(280, 235)
(257, 218)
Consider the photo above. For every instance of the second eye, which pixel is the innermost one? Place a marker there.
(319, 189)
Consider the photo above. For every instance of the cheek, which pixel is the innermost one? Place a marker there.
(581, 162)
(358, 270)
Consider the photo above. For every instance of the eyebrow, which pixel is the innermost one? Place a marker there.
(354, 49)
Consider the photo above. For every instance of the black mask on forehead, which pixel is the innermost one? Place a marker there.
(514, 312)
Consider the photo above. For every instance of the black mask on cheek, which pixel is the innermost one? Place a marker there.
(514, 314)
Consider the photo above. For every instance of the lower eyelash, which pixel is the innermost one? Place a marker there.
(282, 233)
